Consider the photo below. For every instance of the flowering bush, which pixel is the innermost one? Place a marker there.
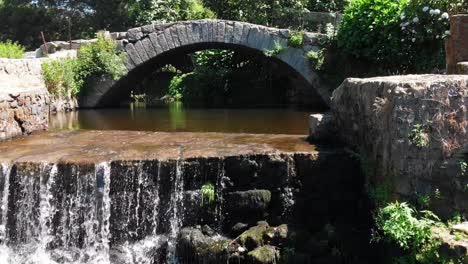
(399, 36)
(424, 26)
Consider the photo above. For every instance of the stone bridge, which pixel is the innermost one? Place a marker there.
(154, 45)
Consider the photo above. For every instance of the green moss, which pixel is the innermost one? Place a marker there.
(253, 237)
(264, 254)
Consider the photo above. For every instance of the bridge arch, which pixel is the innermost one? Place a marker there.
(149, 45)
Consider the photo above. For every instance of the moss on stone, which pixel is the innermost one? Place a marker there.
(253, 237)
(264, 255)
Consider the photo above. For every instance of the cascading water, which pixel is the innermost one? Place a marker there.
(74, 214)
(176, 205)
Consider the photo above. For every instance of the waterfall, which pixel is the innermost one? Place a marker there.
(4, 251)
(61, 213)
(6, 168)
(219, 195)
(176, 205)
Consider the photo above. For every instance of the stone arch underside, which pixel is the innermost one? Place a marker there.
(155, 44)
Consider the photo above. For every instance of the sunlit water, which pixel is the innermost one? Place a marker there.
(178, 119)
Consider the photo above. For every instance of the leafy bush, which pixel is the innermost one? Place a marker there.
(177, 86)
(296, 39)
(397, 36)
(11, 50)
(276, 51)
(148, 11)
(60, 77)
(100, 57)
(399, 224)
(327, 5)
(419, 136)
(204, 83)
(68, 77)
(370, 30)
(316, 58)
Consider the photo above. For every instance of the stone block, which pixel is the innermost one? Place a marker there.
(133, 54)
(148, 46)
(321, 127)
(457, 43)
(155, 42)
(141, 51)
(134, 34)
(175, 36)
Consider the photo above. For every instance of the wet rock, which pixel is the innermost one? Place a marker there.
(463, 227)
(277, 235)
(208, 231)
(253, 237)
(195, 247)
(238, 229)
(321, 127)
(253, 200)
(264, 255)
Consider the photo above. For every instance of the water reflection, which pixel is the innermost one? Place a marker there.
(176, 118)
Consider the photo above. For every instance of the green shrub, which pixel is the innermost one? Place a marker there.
(60, 77)
(316, 58)
(177, 86)
(11, 50)
(397, 36)
(399, 224)
(419, 136)
(276, 51)
(98, 58)
(207, 80)
(370, 30)
(296, 39)
(68, 77)
(327, 5)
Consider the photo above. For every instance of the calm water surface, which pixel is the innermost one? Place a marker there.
(175, 118)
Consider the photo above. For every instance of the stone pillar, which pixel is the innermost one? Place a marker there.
(457, 44)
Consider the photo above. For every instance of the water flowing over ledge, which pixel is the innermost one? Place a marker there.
(135, 203)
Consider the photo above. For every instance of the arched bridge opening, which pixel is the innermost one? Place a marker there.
(154, 46)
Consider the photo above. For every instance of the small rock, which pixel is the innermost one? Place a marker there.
(208, 231)
(238, 228)
(463, 228)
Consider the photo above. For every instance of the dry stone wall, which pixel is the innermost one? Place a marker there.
(24, 100)
(413, 129)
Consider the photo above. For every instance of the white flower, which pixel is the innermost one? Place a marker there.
(402, 16)
(403, 28)
(445, 15)
(437, 37)
(437, 11)
(416, 20)
(402, 40)
(447, 32)
(414, 39)
(425, 9)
